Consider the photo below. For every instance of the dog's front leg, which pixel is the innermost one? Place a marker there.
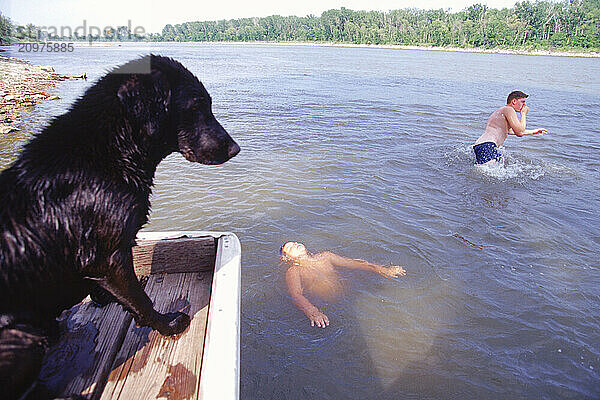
(121, 281)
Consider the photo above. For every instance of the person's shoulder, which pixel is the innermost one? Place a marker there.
(293, 270)
(505, 111)
(324, 255)
(506, 108)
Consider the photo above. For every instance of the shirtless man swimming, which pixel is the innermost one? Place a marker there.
(317, 274)
(504, 122)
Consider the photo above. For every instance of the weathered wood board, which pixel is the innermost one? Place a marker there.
(103, 355)
(80, 362)
(174, 255)
(151, 366)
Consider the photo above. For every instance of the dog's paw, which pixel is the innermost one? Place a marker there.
(176, 322)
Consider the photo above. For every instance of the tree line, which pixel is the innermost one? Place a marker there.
(14, 33)
(540, 24)
(5, 29)
(570, 24)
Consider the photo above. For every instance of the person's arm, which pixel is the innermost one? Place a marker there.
(294, 285)
(540, 131)
(517, 127)
(393, 271)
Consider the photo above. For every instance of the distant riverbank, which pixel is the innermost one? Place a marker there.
(22, 85)
(553, 53)
(529, 52)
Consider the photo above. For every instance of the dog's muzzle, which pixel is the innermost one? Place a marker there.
(216, 155)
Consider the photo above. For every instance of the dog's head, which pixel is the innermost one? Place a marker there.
(173, 109)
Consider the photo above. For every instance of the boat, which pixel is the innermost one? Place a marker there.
(102, 354)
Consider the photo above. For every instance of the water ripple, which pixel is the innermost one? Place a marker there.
(367, 153)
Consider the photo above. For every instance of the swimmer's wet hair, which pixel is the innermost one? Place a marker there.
(517, 94)
(281, 250)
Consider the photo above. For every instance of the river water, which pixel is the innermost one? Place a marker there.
(366, 152)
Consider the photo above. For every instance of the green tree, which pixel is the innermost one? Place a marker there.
(6, 28)
(572, 23)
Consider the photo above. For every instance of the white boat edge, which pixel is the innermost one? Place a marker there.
(220, 373)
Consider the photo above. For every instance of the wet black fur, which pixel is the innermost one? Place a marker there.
(72, 203)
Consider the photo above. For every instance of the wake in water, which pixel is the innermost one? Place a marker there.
(517, 167)
(510, 168)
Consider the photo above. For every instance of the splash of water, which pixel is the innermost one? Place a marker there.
(511, 167)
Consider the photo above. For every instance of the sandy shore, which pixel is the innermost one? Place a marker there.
(23, 85)
(553, 53)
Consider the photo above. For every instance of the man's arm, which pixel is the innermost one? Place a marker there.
(352, 263)
(516, 127)
(294, 285)
(540, 131)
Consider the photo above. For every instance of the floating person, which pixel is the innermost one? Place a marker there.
(317, 274)
(504, 122)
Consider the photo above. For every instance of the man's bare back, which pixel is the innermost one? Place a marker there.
(497, 127)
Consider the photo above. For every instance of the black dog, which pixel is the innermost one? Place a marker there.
(71, 205)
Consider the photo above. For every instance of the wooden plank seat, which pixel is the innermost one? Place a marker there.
(103, 355)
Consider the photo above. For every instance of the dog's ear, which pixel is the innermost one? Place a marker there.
(145, 93)
(129, 92)
(162, 89)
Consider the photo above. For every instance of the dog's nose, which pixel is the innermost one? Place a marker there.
(233, 150)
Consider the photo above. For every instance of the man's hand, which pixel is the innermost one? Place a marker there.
(392, 272)
(317, 317)
(540, 131)
(524, 110)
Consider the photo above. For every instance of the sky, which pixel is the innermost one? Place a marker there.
(153, 15)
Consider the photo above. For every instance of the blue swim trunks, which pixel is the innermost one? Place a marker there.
(485, 152)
